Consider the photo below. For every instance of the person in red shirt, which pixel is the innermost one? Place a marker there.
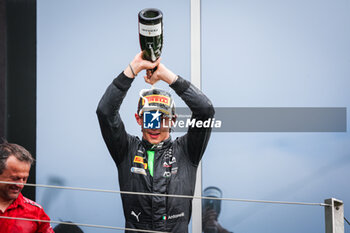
(15, 163)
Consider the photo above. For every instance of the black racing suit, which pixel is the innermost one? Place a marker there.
(175, 162)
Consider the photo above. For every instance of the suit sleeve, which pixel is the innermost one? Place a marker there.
(111, 125)
(196, 139)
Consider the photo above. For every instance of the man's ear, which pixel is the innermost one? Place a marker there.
(173, 119)
(138, 119)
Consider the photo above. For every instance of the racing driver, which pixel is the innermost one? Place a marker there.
(155, 164)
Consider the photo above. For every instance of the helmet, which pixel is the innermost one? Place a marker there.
(156, 99)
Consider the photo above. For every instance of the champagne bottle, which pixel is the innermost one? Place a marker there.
(151, 33)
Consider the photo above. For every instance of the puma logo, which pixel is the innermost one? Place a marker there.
(136, 216)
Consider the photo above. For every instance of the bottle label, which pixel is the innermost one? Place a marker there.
(150, 30)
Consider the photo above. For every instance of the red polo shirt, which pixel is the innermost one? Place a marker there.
(23, 207)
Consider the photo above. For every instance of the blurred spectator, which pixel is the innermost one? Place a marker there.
(211, 210)
(67, 228)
